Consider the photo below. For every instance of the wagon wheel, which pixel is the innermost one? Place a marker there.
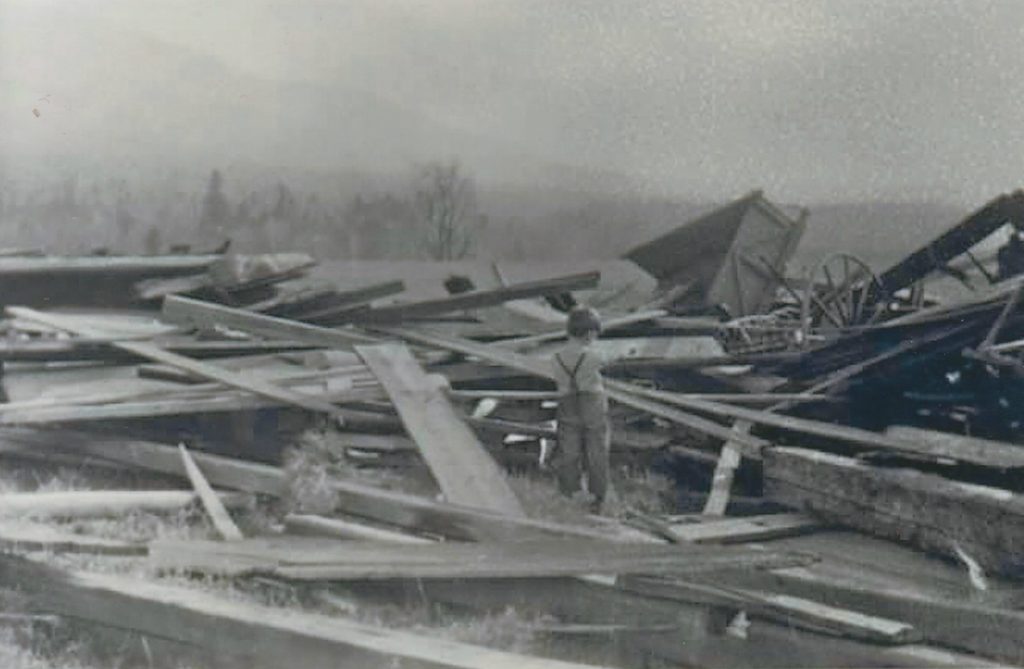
(842, 292)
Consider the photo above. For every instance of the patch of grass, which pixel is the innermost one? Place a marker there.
(636, 489)
(318, 456)
(642, 490)
(509, 630)
(306, 467)
(542, 499)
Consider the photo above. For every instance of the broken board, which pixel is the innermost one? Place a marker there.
(464, 470)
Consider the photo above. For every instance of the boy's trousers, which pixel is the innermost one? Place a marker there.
(583, 443)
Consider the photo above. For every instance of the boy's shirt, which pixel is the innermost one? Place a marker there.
(588, 373)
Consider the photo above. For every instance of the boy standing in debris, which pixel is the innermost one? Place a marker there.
(583, 430)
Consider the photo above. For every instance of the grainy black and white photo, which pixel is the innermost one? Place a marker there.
(511, 334)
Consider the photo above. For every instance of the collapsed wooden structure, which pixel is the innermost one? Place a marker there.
(828, 506)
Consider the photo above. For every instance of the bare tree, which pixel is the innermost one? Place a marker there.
(446, 208)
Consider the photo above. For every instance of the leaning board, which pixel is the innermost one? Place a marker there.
(464, 470)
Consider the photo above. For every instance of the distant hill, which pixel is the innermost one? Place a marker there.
(557, 224)
(880, 233)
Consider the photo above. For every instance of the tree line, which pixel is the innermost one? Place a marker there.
(434, 215)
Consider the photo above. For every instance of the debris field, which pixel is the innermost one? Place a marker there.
(266, 452)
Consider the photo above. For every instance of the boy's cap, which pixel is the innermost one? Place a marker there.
(583, 320)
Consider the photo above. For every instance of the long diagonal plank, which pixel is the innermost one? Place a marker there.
(479, 299)
(205, 370)
(236, 634)
(851, 435)
(186, 311)
(464, 470)
(560, 333)
(617, 390)
(306, 558)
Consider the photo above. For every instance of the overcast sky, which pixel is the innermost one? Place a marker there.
(811, 99)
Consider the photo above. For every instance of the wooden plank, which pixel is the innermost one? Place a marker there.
(615, 389)
(555, 335)
(233, 274)
(464, 470)
(797, 612)
(148, 289)
(923, 510)
(169, 406)
(212, 372)
(748, 528)
(725, 469)
(335, 384)
(308, 524)
(93, 503)
(30, 536)
(47, 265)
(696, 637)
(187, 311)
(214, 508)
(882, 578)
(244, 633)
(481, 298)
(958, 447)
(344, 300)
(415, 513)
(832, 431)
(80, 349)
(954, 241)
(313, 559)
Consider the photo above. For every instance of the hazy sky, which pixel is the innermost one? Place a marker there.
(811, 99)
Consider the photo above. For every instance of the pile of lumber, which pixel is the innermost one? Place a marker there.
(775, 493)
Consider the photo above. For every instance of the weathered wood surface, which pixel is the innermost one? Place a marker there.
(462, 467)
(211, 502)
(886, 579)
(237, 634)
(232, 273)
(624, 393)
(94, 503)
(743, 529)
(959, 447)
(212, 372)
(338, 528)
(725, 471)
(46, 265)
(797, 612)
(188, 401)
(21, 535)
(81, 349)
(197, 313)
(920, 509)
(308, 301)
(831, 431)
(403, 510)
(480, 298)
(696, 636)
(304, 558)
(560, 333)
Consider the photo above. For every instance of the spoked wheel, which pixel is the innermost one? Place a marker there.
(842, 293)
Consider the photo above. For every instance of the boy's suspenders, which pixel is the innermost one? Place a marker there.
(573, 382)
